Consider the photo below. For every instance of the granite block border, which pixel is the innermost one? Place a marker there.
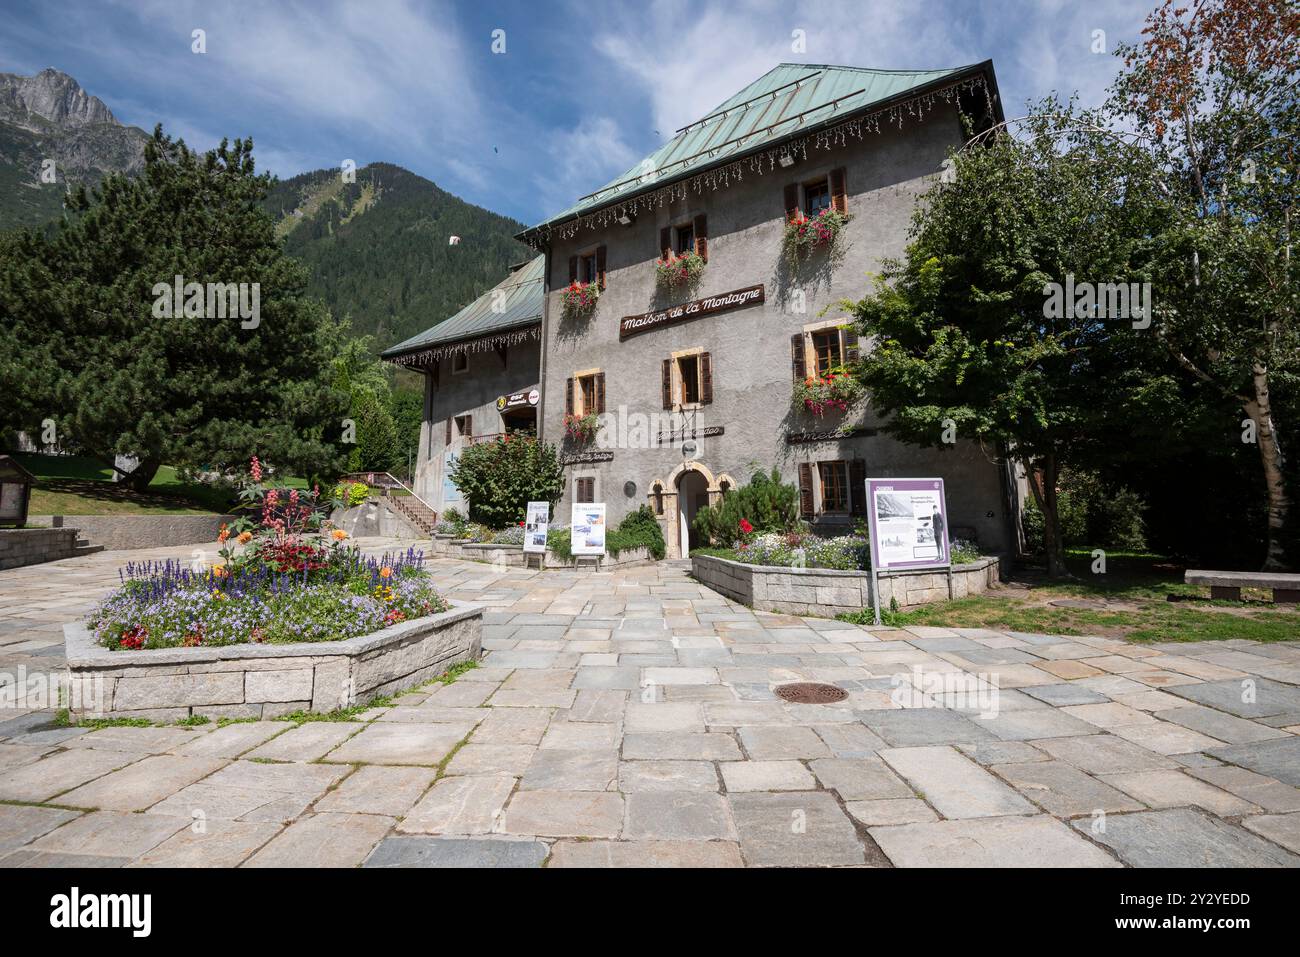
(266, 681)
(827, 592)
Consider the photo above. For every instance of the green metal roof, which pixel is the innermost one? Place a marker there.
(790, 99)
(521, 306)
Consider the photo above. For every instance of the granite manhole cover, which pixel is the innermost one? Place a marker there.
(810, 692)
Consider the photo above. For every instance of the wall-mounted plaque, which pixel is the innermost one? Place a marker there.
(686, 311)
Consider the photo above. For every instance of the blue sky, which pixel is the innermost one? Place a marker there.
(581, 93)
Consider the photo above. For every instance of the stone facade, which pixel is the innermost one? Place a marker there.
(828, 592)
(31, 546)
(750, 348)
(266, 681)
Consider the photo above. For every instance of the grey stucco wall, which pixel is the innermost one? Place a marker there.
(473, 393)
(750, 347)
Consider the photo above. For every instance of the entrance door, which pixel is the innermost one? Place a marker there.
(692, 495)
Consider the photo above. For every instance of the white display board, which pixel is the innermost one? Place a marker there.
(909, 523)
(587, 532)
(536, 524)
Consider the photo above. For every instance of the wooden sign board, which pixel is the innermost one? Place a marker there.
(686, 311)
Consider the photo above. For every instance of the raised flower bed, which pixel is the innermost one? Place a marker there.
(805, 236)
(578, 299)
(293, 617)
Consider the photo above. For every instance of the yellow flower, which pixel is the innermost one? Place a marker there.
(339, 534)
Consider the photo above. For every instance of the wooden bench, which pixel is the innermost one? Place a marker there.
(1228, 585)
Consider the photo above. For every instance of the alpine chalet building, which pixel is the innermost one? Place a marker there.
(694, 383)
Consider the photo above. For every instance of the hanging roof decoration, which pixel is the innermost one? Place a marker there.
(791, 108)
(508, 313)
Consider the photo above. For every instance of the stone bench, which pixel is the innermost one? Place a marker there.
(1228, 585)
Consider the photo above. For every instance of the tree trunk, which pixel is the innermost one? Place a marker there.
(138, 480)
(1270, 454)
(1043, 485)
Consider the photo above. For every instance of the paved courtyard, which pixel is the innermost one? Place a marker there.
(628, 718)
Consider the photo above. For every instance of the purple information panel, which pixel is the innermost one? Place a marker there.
(909, 523)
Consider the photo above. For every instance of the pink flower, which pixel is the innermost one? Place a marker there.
(256, 470)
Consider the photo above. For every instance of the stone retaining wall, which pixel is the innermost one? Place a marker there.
(828, 592)
(140, 531)
(266, 681)
(444, 546)
(31, 546)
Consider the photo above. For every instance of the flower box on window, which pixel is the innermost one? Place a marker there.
(578, 299)
(679, 271)
(805, 235)
(581, 429)
(834, 391)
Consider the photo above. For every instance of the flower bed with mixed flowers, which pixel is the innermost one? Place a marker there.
(681, 270)
(833, 392)
(803, 550)
(286, 578)
(804, 235)
(578, 299)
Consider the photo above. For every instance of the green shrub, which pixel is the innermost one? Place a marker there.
(768, 504)
(637, 530)
(352, 494)
(1091, 513)
(500, 478)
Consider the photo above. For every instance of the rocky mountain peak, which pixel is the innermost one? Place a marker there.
(50, 96)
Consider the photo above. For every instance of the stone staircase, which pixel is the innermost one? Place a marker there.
(85, 547)
(414, 511)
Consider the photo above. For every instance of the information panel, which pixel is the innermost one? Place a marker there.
(588, 530)
(909, 523)
(536, 523)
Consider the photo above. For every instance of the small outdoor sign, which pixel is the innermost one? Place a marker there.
(536, 523)
(908, 523)
(15, 492)
(587, 534)
(685, 312)
(517, 399)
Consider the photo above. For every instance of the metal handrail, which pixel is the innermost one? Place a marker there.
(368, 479)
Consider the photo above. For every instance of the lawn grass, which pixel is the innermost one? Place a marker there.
(1134, 597)
(79, 485)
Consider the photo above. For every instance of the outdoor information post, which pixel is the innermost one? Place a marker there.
(587, 534)
(908, 520)
(536, 524)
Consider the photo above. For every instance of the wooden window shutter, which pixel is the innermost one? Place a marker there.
(850, 339)
(706, 378)
(573, 269)
(701, 226)
(600, 393)
(858, 486)
(568, 397)
(469, 426)
(805, 490)
(668, 383)
(448, 430)
(792, 201)
(600, 266)
(798, 360)
(666, 242)
(839, 191)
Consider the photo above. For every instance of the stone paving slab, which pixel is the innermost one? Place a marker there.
(1034, 842)
(619, 719)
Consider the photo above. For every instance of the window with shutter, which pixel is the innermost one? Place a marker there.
(792, 201)
(585, 491)
(668, 383)
(816, 197)
(568, 397)
(666, 242)
(839, 190)
(835, 486)
(798, 358)
(600, 266)
(826, 348)
(706, 378)
(858, 487)
(701, 226)
(573, 269)
(688, 375)
(599, 406)
(851, 350)
(805, 490)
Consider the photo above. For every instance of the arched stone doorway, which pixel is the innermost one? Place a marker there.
(692, 496)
